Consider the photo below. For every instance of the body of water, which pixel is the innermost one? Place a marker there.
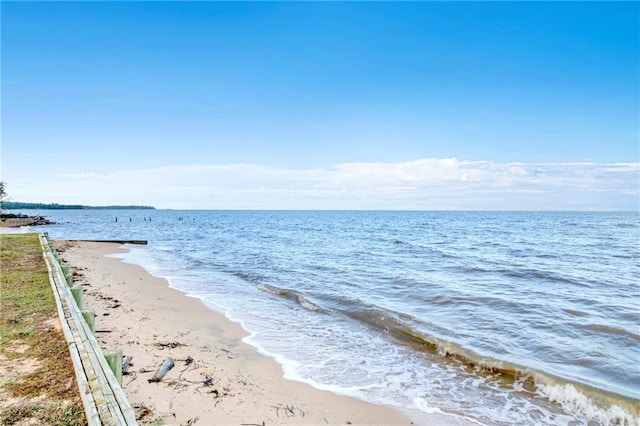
(499, 318)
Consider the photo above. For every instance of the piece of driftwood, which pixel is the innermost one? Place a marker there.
(125, 364)
(163, 370)
(171, 345)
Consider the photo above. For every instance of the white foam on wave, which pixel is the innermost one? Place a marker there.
(305, 303)
(439, 417)
(573, 401)
(423, 405)
(291, 370)
(135, 256)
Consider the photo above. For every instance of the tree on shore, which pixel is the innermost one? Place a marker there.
(3, 194)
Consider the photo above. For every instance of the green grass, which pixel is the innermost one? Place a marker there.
(60, 414)
(29, 332)
(26, 298)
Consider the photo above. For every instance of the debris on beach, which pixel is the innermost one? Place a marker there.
(163, 370)
(142, 411)
(288, 410)
(171, 345)
(126, 364)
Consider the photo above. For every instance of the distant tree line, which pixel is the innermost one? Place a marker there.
(13, 205)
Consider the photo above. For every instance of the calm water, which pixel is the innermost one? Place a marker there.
(495, 317)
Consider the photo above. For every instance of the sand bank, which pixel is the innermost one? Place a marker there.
(217, 378)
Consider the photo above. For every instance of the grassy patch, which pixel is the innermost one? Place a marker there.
(60, 414)
(46, 392)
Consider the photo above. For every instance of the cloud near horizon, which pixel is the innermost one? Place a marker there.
(423, 184)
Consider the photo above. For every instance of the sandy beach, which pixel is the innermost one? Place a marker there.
(217, 378)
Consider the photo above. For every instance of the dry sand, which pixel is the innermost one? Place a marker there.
(217, 378)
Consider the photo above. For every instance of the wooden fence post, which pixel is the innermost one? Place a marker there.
(114, 359)
(76, 292)
(90, 318)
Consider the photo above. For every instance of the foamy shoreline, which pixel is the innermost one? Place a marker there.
(227, 381)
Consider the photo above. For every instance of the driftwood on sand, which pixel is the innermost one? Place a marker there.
(126, 364)
(162, 370)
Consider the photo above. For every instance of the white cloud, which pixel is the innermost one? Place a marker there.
(82, 175)
(428, 183)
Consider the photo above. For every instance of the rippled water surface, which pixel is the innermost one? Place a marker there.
(496, 317)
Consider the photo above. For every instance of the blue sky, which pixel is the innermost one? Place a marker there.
(432, 105)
